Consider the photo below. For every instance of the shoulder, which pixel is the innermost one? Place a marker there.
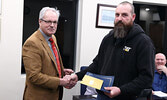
(143, 38)
(108, 36)
(33, 40)
(107, 39)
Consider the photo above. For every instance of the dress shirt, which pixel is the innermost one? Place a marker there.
(160, 82)
(47, 39)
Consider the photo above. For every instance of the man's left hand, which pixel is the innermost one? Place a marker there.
(114, 91)
(68, 71)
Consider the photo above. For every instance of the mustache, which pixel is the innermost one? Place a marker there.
(119, 22)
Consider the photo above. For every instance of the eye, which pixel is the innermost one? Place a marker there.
(116, 15)
(48, 21)
(124, 15)
(55, 22)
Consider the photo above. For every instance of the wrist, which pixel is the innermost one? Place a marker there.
(61, 82)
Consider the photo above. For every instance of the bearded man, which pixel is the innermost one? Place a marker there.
(126, 53)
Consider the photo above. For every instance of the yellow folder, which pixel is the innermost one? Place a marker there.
(92, 82)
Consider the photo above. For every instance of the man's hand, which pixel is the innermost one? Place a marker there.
(114, 91)
(74, 77)
(65, 80)
(69, 81)
(68, 71)
(162, 68)
(73, 81)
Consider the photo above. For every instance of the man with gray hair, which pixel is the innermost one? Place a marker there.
(45, 74)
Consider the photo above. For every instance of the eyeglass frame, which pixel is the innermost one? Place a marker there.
(50, 22)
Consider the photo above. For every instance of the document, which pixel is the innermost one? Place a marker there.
(160, 94)
(97, 81)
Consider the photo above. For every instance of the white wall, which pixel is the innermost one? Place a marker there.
(11, 84)
(88, 41)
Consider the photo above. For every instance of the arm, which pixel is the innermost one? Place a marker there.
(145, 68)
(40, 69)
(162, 68)
(93, 67)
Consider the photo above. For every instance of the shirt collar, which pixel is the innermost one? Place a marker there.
(45, 36)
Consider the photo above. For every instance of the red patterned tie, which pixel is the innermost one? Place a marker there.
(56, 55)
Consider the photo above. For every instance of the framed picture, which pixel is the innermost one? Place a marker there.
(105, 16)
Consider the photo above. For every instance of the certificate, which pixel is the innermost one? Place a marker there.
(97, 81)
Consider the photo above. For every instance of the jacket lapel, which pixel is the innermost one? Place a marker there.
(46, 46)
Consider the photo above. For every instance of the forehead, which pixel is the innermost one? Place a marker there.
(50, 14)
(160, 56)
(123, 8)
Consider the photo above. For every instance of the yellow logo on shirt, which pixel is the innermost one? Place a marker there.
(127, 49)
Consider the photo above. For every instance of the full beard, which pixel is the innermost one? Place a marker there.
(121, 30)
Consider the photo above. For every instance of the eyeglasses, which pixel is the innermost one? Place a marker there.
(50, 22)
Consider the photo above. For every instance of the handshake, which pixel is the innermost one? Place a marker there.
(69, 80)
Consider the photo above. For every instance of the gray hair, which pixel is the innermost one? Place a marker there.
(44, 9)
(126, 2)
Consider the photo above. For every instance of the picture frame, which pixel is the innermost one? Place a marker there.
(105, 16)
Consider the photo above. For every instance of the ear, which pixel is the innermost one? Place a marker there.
(133, 17)
(39, 21)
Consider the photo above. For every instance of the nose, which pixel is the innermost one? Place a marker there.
(119, 17)
(52, 24)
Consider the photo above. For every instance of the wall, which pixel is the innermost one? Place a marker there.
(12, 83)
(88, 41)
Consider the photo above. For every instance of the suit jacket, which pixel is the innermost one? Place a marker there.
(42, 78)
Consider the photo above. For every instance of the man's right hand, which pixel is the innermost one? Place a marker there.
(162, 68)
(69, 81)
(73, 81)
(65, 80)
